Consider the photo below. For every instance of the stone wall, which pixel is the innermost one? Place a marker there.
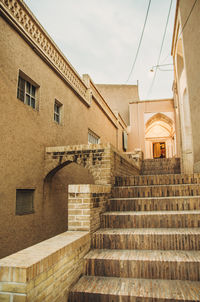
(45, 271)
(103, 161)
(85, 205)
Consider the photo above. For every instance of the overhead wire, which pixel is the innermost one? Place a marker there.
(176, 40)
(158, 61)
(187, 19)
(141, 37)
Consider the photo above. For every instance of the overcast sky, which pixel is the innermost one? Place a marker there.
(100, 37)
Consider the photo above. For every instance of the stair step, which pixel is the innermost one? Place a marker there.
(181, 265)
(147, 239)
(174, 203)
(156, 191)
(107, 289)
(161, 166)
(151, 219)
(167, 179)
(162, 171)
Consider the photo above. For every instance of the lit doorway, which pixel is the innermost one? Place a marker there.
(159, 150)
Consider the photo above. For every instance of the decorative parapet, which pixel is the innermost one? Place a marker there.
(103, 161)
(20, 17)
(44, 271)
(17, 13)
(86, 203)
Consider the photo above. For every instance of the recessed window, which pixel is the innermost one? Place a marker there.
(57, 112)
(125, 141)
(93, 138)
(24, 201)
(26, 92)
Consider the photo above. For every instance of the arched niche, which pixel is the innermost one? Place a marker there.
(159, 136)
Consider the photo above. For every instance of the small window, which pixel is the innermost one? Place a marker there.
(93, 138)
(125, 141)
(24, 201)
(57, 112)
(26, 92)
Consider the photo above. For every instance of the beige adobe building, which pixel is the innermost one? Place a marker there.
(72, 174)
(185, 52)
(151, 124)
(49, 104)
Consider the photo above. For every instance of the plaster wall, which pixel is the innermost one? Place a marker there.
(119, 96)
(26, 132)
(191, 44)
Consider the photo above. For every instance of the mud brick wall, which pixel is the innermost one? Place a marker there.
(103, 161)
(122, 166)
(46, 271)
(85, 205)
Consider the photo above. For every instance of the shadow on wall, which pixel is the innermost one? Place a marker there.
(56, 195)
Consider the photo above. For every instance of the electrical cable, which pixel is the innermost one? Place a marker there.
(176, 40)
(152, 83)
(132, 68)
(187, 19)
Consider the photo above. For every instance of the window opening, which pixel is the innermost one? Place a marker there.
(26, 92)
(24, 201)
(93, 138)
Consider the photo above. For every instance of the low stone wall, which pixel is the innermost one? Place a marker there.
(44, 272)
(103, 161)
(85, 205)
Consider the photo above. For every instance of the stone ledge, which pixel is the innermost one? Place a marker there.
(36, 257)
(89, 188)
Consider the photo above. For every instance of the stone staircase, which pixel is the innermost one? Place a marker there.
(160, 166)
(148, 248)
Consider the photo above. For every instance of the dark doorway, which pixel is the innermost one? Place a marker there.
(159, 150)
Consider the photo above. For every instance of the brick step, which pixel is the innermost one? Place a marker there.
(181, 265)
(151, 219)
(174, 203)
(162, 171)
(110, 289)
(156, 191)
(167, 179)
(147, 239)
(167, 165)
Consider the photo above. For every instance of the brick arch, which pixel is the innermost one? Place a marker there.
(103, 161)
(89, 159)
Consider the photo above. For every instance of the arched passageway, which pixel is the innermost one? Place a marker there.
(160, 137)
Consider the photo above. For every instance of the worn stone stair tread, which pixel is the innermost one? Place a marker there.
(158, 179)
(145, 255)
(146, 213)
(172, 290)
(156, 197)
(147, 239)
(146, 231)
(152, 186)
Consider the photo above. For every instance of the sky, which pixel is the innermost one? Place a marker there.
(101, 37)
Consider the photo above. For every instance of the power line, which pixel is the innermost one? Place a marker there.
(187, 19)
(158, 61)
(183, 27)
(139, 42)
